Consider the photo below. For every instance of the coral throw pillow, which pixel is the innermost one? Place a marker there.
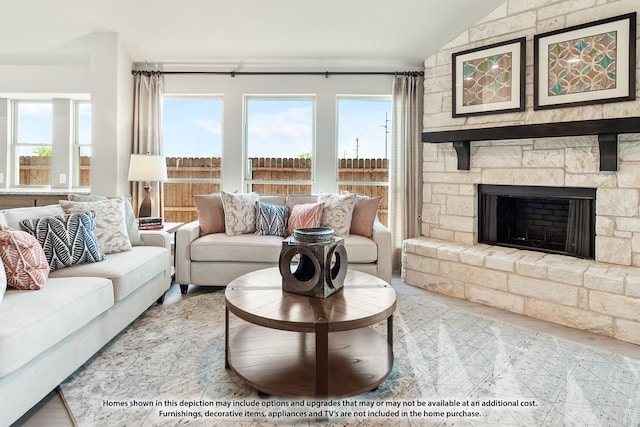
(25, 264)
(305, 215)
(210, 213)
(364, 215)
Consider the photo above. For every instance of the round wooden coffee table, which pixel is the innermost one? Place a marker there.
(300, 346)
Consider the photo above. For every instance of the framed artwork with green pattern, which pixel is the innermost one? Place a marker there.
(586, 64)
(489, 79)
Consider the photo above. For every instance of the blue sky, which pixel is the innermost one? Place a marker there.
(277, 127)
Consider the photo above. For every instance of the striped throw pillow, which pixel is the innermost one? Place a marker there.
(67, 240)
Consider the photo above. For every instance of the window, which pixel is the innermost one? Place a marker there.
(364, 127)
(192, 143)
(279, 137)
(32, 142)
(82, 144)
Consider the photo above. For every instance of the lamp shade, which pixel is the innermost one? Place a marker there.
(147, 167)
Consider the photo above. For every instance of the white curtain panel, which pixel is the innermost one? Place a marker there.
(405, 172)
(148, 89)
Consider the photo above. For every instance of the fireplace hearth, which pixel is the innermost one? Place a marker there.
(547, 219)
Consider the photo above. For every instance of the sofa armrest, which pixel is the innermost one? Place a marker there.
(382, 237)
(184, 237)
(156, 238)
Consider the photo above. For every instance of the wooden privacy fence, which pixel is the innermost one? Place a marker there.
(178, 195)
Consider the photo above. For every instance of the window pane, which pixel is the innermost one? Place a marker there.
(82, 150)
(34, 120)
(363, 148)
(34, 165)
(192, 143)
(280, 134)
(84, 123)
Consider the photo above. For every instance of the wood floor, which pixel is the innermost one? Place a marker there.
(52, 412)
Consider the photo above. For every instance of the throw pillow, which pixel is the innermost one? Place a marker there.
(305, 215)
(67, 240)
(271, 220)
(239, 212)
(337, 212)
(130, 216)
(364, 215)
(25, 265)
(3, 281)
(111, 229)
(210, 213)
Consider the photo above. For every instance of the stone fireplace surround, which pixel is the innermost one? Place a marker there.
(601, 295)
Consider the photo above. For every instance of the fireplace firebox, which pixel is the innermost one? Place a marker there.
(548, 219)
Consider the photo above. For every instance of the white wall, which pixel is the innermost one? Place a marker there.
(325, 90)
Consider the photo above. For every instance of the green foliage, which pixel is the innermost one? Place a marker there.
(306, 155)
(41, 151)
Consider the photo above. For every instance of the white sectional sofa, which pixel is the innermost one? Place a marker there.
(215, 259)
(46, 334)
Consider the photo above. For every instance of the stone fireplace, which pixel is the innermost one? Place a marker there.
(457, 254)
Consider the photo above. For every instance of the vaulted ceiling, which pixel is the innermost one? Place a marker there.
(384, 33)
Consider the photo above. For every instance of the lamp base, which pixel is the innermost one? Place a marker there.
(147, 204)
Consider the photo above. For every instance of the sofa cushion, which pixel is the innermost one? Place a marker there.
(111, 228)
(337, 212)
(32, 322)
(271, 220)
(24, 261)
(66, 239)
(210, 213)
(364, 215)
(130, 216)
(245, 247)
(127, 270)
(360, 249)
(14, 217)
(239, 212)
(305, 215)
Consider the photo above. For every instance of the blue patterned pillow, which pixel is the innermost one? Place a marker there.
(67, 240)
(271, 220)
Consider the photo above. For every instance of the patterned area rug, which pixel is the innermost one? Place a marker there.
(451, 367)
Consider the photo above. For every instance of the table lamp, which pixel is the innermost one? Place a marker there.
(147, 168)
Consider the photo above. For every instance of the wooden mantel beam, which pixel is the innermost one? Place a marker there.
(606, 129)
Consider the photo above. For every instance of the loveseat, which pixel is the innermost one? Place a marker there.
(48, 333)
(214, 249)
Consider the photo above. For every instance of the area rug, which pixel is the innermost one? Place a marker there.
(452, 367)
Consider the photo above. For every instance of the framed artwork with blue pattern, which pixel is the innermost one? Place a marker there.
(586, 64)
(489, 79)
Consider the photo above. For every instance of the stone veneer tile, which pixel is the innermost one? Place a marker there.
(435, 283)
(600, 278)
(479, 276)
(422, 264)
(546, 176)
(569, 316)
(528, 265)
(627, 331)
(613, 250)
(495, 298)
(474, 255)
(544, 290)
(503, 259)
(615, 305)
(632, 285)
(449, 252)
(617, 202)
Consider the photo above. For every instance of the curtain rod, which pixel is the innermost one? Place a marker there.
(285, 73)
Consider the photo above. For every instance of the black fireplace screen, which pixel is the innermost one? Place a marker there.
(548, 219)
